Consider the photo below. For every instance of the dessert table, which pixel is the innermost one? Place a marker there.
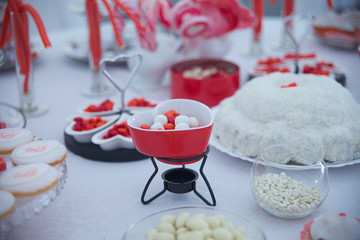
(101, 200)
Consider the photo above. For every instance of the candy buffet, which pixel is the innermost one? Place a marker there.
(117, 155)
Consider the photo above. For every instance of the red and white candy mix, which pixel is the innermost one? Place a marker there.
(172, 120)
(199, 72)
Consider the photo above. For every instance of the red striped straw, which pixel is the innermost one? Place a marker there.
(258, 8)
(21, 34)
(114, 25)
(93, 17)
(330, 4)
(130, 15)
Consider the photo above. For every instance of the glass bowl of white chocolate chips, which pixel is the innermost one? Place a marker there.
(194, 222)
(289, 181)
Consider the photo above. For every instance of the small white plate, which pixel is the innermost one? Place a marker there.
(115, 142)
(116, 108)
(85, 136)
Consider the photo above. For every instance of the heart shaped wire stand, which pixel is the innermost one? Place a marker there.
(121, 89)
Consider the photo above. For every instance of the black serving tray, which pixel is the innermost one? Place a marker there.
(94, 152)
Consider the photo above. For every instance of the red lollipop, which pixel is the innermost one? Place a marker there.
(162, 9)
(182, 9)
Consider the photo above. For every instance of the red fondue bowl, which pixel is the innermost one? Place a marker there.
(173, 144)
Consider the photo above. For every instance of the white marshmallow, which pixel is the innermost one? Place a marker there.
(157, 126)
(181, 118)
(193, 122)
(161, 119)
(182, 125)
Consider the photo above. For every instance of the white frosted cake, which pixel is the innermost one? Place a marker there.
(332, 227)
(305, 109)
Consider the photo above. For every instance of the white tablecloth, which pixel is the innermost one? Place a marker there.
(101, 199)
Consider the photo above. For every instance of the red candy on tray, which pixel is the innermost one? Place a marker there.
(118, 129)
(106, 105)
(88, 124)
(271, 69)
(270, 60)
(283, 65)
(291, 55)
(140, 102)
(318, 70)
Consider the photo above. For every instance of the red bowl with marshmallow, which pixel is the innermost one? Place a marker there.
(205, 80)
(176, 143)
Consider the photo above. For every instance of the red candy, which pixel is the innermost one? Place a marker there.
(301, 56)
(88, 124)
(271, 69)
(140, 102)
(290, 85)
(318, 70)
(325, 64)
(169, 126)
(2, 164)
(118, 129)
(270, 61)
(145, 126)
(106, 105)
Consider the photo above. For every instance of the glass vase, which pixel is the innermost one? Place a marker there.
(99, 86)
(288, 9)
(256, 48)
(24, 66)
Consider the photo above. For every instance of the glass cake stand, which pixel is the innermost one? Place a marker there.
(26, 208)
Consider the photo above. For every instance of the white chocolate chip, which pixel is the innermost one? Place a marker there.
(164, 236)
(222, 234)
(213, 222)
(286, 195)
(166, 227)
(181, 220)
(196, 227)
(196, 223)
(151, 234)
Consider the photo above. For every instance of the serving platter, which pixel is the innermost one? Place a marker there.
(77, 47)
(214, 141)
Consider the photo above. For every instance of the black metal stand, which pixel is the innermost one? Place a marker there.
(180, 180)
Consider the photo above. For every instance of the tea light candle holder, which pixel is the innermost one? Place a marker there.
(180, 180)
